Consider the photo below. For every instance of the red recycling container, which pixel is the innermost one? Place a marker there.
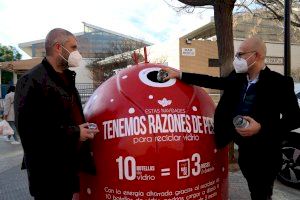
(156, 140)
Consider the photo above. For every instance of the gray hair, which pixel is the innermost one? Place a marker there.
(57, 35)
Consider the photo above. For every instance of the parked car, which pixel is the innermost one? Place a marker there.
(290, 169)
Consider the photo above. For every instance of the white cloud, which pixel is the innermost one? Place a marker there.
(151, 20)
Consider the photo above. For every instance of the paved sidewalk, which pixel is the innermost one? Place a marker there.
(14, 185)
(13, 180)
(238, 189)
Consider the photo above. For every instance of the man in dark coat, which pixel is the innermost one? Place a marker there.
(266, 100)
(51, 123)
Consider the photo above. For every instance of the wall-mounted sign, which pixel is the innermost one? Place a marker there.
(188, 51)
(270, 60)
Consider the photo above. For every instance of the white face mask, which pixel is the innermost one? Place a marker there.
(74, 59)
(240, 64)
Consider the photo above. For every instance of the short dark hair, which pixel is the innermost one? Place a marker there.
(11, 88)
(56, 35)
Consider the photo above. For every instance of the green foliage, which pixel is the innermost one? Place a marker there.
(9, 53)
(6, 77)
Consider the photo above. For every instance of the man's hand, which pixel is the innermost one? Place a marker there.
(252, 129)
(171, 73)
(86, 133)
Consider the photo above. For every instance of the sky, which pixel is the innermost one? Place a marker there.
(151, 20)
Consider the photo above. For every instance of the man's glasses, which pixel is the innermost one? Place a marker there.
(239, 54)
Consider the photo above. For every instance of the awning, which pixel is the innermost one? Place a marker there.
(20, 66)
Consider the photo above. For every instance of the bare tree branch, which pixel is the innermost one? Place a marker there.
(244, 6)
(271, 9)
(276, 8)
(278, 2)
(295, 16)
(181, 8)
(198, 2)
(223, 23)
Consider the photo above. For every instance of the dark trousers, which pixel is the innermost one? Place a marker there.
(260, 173)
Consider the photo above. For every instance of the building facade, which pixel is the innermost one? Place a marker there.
(94, 43)
(198, 53)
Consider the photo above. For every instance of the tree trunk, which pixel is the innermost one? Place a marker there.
(223, 23)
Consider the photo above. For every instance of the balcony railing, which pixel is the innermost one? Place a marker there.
(86, 90)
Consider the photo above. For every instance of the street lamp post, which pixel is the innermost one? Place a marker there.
(287, 41)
